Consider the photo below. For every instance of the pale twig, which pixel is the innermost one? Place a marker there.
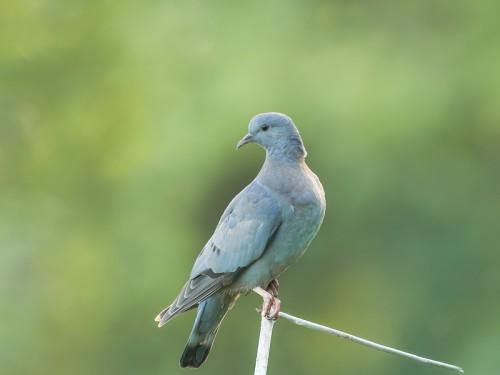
(359, 340)
(266, 331)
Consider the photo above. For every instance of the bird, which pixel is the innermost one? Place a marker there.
(265, 229)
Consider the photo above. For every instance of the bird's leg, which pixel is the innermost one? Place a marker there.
(269, 302)
(273, 287)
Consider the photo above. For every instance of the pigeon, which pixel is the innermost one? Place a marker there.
(265, 229)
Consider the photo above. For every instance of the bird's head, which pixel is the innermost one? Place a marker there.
(276, 133)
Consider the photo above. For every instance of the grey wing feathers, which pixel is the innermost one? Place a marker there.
(195, 291)
(244, 231)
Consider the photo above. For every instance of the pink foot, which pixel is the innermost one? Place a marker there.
(271, 305)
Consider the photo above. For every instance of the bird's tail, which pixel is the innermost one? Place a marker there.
(208, 320)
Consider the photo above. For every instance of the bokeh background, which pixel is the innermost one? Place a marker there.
(118, 126)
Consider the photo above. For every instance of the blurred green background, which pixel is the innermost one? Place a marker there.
(118, 126)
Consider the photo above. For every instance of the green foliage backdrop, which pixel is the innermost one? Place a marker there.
(118, 126)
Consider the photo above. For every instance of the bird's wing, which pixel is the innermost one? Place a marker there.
(245, 229)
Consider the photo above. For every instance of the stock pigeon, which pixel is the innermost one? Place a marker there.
(265, 229)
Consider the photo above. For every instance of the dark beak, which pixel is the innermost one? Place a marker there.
(247, 139)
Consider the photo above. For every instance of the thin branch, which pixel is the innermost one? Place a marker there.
(359, 340)
(266, 332)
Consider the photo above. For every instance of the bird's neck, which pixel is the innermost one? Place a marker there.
(291, 150)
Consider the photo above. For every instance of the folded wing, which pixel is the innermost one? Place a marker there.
(244, 231)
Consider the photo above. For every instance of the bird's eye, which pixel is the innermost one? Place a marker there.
(265, 127)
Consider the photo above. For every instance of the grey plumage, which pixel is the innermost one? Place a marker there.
(266, 228)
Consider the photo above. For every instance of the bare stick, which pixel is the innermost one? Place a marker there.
(266, 331)
(359, 340)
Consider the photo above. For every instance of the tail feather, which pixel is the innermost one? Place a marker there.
(208, 320)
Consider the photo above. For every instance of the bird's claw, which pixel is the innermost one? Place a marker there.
(271, 308)
(271, 304)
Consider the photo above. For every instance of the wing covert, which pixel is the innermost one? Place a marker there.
(244, 230)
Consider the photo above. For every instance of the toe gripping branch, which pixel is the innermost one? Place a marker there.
(271, 304)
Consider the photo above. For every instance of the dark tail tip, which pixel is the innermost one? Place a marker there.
(195, 355)
(208, 320)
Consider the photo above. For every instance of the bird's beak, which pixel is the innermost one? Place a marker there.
(247, 139)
